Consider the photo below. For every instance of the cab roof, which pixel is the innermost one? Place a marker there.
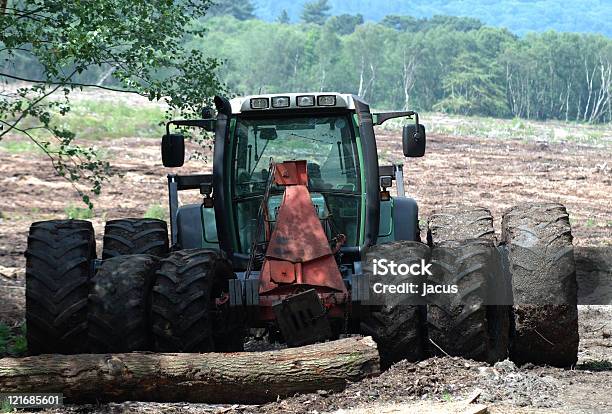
(291, 101)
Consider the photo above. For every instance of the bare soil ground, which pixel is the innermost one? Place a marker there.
(488, 172)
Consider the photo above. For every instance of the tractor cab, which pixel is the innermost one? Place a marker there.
(332, 132)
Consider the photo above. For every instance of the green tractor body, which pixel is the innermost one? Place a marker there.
(334, 135)
(294, 217)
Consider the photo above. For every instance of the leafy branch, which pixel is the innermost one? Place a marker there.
(142, 43)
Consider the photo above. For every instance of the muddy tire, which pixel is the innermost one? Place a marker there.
(538, 240)
(119, 304)
(183, 311)
(456, 222)
(59, 262)
(135, 236)
(464, 323)
(397, 328)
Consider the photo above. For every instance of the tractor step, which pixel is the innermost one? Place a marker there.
(302, 319)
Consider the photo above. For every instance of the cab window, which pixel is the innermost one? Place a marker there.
(326, 143)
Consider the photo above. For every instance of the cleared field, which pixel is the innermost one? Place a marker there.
(492, 163)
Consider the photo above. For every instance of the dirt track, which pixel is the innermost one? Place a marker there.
(488, 172)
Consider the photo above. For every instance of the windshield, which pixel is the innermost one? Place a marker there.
(326, 143)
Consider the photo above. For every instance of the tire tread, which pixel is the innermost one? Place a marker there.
(59, 261)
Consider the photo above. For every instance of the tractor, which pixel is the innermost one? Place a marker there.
(293, 216)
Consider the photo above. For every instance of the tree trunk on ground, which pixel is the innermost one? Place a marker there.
(245, 377)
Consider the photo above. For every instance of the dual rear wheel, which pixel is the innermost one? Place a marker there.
(150, 300)
(59, 261)
(514, 299)
(462, 324)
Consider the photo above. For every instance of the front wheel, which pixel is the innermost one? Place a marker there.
(397, 328)
(184, 308)
(119, 304)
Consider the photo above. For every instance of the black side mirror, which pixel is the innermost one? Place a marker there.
(414, 140)
(173, 150)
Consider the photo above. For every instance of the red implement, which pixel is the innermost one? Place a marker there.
(298, 252)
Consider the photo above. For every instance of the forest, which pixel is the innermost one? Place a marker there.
(519, 16)
(443, 63)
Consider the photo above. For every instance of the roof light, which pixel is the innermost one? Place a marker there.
(326, 100)
(305, 100)
(260, 103)
(280, 102)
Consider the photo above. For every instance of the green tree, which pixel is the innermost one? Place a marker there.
(344, 24)
(412, 24)
(443, 63)
(138, 44)
(368, 51)
(259, 57)
(316, 11)
(472, 88)
(400, 23)
(283, 17)
(460, 24)
(327, 48)
(240, 9)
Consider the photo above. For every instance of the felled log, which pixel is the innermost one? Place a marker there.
(243, 377)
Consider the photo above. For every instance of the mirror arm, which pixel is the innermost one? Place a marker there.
(416, 122)
(385, 116)
(207, 124)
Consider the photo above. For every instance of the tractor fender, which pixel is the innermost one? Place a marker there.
(196, 227)
(405, 219)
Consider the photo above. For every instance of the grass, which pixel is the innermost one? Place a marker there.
(16, 147)
(116, 117)
(78, 213)
(522, 129)
(93, 119)
(107, 120)
(155, 211)
(13, 341)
